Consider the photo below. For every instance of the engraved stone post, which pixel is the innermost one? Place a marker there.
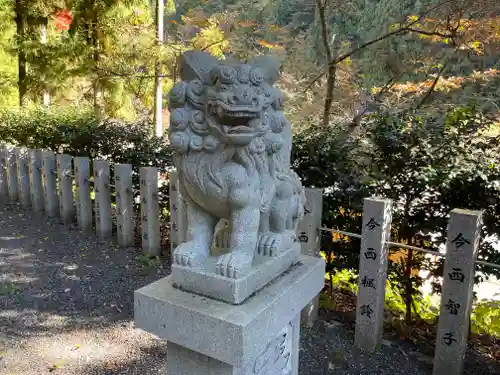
(464, 231)
(4, 184)
(309, 235)
(49, 180)
(178, 214)
(35, 172)
(65, 179)
(82, 194)
(11, 170)
(373, 263)
(103, 217)
(150, 215)
(232, 303)
(23, 177)
(124, 204)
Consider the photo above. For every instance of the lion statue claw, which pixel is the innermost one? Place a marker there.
(232, 147)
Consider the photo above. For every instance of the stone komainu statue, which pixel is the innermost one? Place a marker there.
(232, 147)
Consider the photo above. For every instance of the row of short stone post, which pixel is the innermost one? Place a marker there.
(458, 276)
(462, 244)
(44, 181)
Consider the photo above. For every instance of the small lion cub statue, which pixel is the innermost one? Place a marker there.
(232, 147)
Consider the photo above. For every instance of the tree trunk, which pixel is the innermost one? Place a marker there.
(43, 39)
(158, 113)
(332, 67)
(21, 65)
(97, 89)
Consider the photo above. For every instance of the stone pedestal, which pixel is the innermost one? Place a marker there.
(210, 337)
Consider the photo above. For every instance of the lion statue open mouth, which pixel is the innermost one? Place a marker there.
(232, 148)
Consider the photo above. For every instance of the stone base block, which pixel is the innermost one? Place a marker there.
(203, 280)
(209, 337)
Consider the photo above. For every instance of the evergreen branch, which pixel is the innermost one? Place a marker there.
(213, 44)
(401, 30)
(431, 33)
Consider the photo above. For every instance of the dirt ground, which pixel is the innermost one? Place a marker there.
(66, 307)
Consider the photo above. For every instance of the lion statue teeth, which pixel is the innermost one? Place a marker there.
(232, 147)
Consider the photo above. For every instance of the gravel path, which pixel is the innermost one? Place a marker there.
(66, 307)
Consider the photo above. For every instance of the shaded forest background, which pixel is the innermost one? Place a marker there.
(397, 98)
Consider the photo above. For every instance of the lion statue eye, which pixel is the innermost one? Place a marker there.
(224, 87)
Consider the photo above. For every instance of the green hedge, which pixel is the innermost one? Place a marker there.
(80, 133)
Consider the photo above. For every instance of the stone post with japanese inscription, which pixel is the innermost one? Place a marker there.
(103, 218)
(35, 172)
(373, 264)
(464, 232)
(150, 215)
(23, 178)
(82, 194)
(178, 213)
(49, 181)
(309, 236)
(65, 177)
(124, 204)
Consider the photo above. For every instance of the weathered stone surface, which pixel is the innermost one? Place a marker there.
(207, 335)
(232, 148)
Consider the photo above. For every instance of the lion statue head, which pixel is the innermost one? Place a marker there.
(224, 111)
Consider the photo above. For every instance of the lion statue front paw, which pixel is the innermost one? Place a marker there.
(235, 264)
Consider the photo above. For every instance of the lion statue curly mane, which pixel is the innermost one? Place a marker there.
(232, 147)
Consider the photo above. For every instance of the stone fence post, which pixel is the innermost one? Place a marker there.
(35, 172)
(11, 170)
(309, 235)
(178, 213)
(150, 215)
(23, 178)
(65, 177)
(82, 194)
(373, 264)
(464, 232)
(4, 184)
(49, 182)
(124, 204)
(103, 217)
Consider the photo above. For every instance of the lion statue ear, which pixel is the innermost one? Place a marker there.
(197, 65)
(269, 65)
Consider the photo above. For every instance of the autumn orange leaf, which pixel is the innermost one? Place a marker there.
(263, 43)
(247, 23)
